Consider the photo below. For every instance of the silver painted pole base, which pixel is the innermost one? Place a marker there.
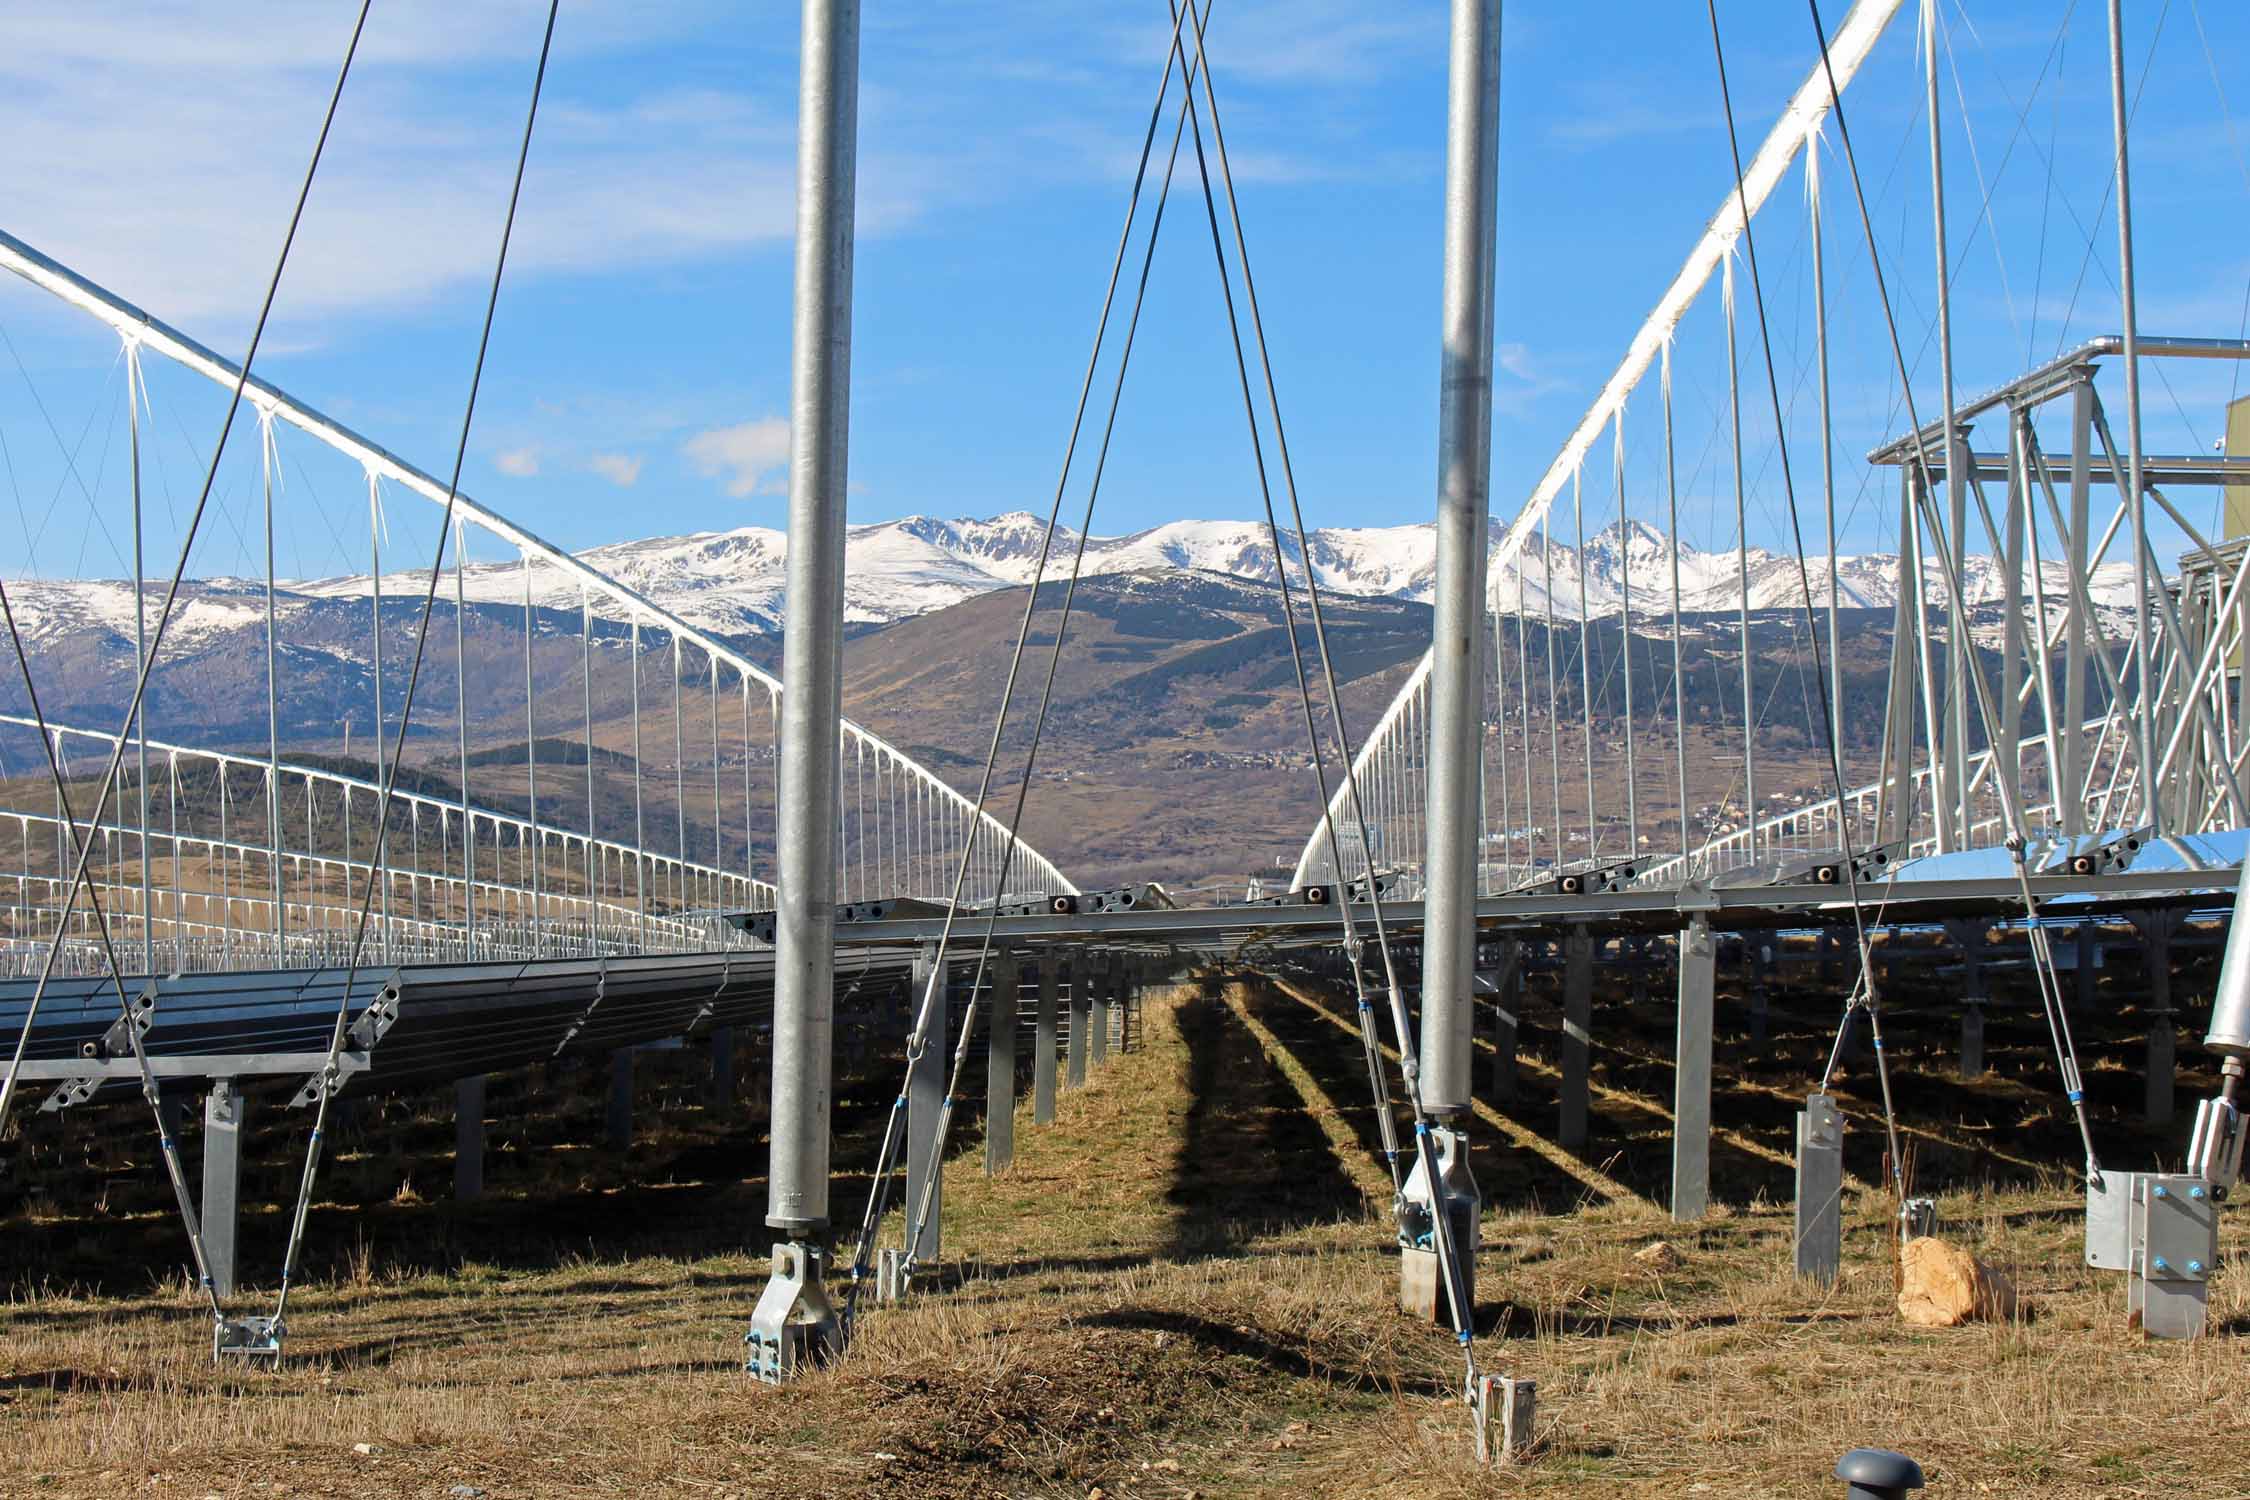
(247, 1338)
(794, 1327)
(1421, 1279)
(1820, 1189)
(2162, 1230)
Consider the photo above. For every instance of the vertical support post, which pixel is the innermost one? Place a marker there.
(1972, 1039)
(1691, 1077)
(1043, 1040)
(1076, 974)
(1102, 982)
(1820, 1190)
(1975, 986)
(1130, 982)
(1464, 511)
(225, 1112)
(925, 1099)
(2073, 759)
(1000, 1064)
(619, 1119)
(2136, 502)
(722, 1068)
(794, 1323)
(1577, 1037)
(2163, 1038)
(468, 1139)
(1507, 1009)
(1953, 730)
(2086, 951)
(1757, 957)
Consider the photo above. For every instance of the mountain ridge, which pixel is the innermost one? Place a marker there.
(731, 582)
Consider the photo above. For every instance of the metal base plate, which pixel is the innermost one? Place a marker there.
(247, 1338)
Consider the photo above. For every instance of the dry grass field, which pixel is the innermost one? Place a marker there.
(1179, 1290)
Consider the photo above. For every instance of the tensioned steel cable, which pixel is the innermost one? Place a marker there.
(108, 785)
(1448, 1252)
(2042, 952)
(329, 1070)
(127, 1022)
(1863, 993)
(878, 1201)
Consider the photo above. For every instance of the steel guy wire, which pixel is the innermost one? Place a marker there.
(917, 1040)
(1448, 1252)
(2043, 959)
(1864, 991)
(329, 1071)
(1387, 1125)
(165, 1142)
(187, 543)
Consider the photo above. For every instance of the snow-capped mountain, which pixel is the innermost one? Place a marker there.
(731, 582)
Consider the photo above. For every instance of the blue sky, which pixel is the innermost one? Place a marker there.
(639, 374)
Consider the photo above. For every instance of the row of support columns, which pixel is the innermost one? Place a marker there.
(1820, 1125)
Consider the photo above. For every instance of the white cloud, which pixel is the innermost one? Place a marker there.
(131, 162)
(620, 469)
(751, 455)
(518, 463)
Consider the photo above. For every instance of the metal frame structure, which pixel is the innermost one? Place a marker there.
(928, 820)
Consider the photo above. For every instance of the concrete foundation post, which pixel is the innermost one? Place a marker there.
(1000, 1065)
(468, 1138)
(1691, 1079)
(225, 1113)
(1043, 1043)
(1577, 1037)
(925, 1095)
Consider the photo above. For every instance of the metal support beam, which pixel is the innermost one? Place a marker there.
(722, 1068)
(468, 1138)
(813, 636)
(1076, 975)
(925, 1097)
(1820, 1190)
(1043, 1040)
(1691, 1076)
(1464, 509)
(2163, 1037)
(1101, 981)
(1507, 1011)
(794, 1324)
(1000, 1064)
(1972, 1040)
(1577, 1037)
(620, 1114)
(225, 1113)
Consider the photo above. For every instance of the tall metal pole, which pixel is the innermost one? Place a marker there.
(1679, 677)
(1463, 522)
(812, 659)
(1827, 461)
(1953, 760)
(2144, 722)
(1742, 572)
(273, 684)
(140, 643)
